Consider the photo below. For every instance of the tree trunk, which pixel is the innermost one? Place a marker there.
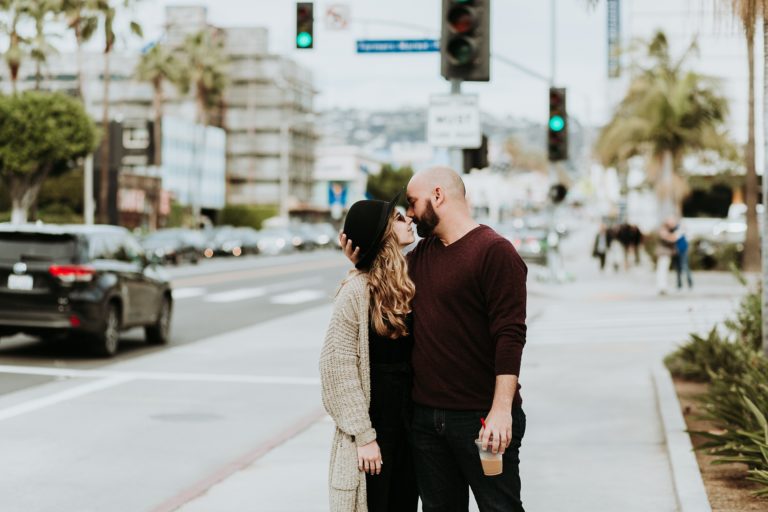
(79, 41)
(157, 133)
(665, 188)
(765, 188)
(105, 156)
(23, 192)
(752, 242)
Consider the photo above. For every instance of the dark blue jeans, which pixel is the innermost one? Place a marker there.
(447, 462)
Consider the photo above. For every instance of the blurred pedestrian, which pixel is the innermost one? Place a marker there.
(365, 368)
(665, 250)
(615, 256)
(682, 264)
(600, 247)
(469, 332)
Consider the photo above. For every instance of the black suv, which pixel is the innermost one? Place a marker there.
(92, 280)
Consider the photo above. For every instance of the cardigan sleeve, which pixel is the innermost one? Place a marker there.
(342, 390)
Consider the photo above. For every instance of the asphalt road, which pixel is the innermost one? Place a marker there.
(212, 298)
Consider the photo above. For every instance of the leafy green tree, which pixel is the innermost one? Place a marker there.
(389, 182)
(40, 134)
(157, 66)
(667, 112)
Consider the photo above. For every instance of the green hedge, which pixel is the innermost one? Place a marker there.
(250, 216)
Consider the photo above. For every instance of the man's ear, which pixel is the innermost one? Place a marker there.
(438, 195)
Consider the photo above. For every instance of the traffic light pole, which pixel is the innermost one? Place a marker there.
(456, 154)
(554, 259)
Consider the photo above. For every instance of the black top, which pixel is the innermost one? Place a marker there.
(390, 351)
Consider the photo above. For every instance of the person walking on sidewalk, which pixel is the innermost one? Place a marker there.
(682, 265)
(665, 249)
(365, 368)
(469, 332)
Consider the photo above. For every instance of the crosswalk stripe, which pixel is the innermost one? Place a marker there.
(298, 297)
(187, 293)
(235, 295)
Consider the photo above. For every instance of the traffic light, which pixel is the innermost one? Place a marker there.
(557, 127)
(465, 43)
(305, 25)
(476, 158)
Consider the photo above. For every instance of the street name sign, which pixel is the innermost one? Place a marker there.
(397, 45)
(454, 121)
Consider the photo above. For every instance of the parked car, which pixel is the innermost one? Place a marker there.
(175, 245)
(81, 280)
(302, 237)
(531, 244)
(232, 241)
(324, 235)
(273, 241)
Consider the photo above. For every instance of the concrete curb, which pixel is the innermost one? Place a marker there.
(689, 486)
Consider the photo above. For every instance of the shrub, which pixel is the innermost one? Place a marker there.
(704, 356)
(250, 216)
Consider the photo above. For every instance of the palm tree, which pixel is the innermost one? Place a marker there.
(83, 22)
(16, 10)
(748, 12)
(107, 11)
(40, 47)
(666, 113)
(203, 53)
(157, 66)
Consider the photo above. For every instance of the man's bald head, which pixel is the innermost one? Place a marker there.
(445, 178)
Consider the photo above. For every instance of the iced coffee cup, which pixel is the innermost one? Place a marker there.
(492, 462)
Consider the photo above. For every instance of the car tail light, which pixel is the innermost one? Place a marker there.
(72, 273)
(74, 321)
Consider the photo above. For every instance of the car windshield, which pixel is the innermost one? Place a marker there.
(37, 247)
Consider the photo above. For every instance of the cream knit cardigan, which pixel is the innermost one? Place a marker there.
(345, 374)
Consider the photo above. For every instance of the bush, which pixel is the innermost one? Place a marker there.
(249, 216)
(710, 255)
(702, 357)
(748, 324)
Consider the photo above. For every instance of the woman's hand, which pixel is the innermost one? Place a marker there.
(369, 458)
(350, 251)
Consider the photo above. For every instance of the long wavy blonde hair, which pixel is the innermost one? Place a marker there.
(391, 289)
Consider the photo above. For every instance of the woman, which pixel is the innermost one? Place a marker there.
(365, 367)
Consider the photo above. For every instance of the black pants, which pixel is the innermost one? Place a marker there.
(447, 462)
(394, 490)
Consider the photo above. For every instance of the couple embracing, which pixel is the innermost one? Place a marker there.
(422, 357)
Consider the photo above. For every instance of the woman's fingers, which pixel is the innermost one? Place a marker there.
(359, 463)
(378, 466)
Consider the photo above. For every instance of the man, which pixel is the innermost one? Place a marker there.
(469, 331)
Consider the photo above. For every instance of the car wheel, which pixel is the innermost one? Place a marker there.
(106, 342)
(159, 333)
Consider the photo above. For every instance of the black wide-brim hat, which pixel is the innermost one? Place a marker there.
(365, 225)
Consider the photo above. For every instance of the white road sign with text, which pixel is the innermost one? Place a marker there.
(454, 121)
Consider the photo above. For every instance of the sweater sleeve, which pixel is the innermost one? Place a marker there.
(342, 390)
(503, 281)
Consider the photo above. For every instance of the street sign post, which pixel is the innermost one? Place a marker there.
(397, 45)
(454, 121)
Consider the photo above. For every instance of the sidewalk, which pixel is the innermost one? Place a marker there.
(595, 441)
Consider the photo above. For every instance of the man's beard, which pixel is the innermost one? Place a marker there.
(426, 223)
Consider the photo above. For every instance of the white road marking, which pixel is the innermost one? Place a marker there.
(187, 293)
(56, 398)
(158, 376)
(298, 297)
(235, 295)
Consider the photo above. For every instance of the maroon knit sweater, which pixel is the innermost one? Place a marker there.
(469, 319)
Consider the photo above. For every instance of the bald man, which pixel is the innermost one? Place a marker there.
(469, 332)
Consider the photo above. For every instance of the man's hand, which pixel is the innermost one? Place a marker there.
(497, 432)
(369, 458)
(350, 251)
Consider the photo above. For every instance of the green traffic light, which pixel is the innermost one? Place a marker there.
(556, 123)
(304, 40)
